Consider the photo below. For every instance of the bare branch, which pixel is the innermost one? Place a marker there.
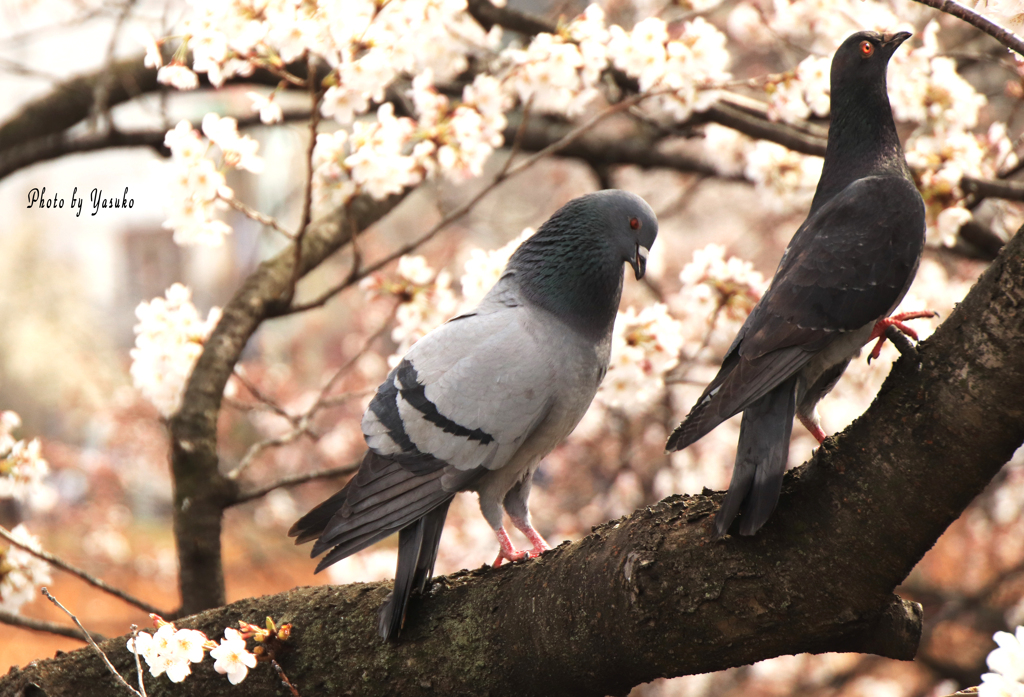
(294, 480)
(43, 626)
(1004, 36)
(488, 15)
(259, 217)
(302, 423)
(980, 189)
(138, 661)
(75, 571)
(315, 95)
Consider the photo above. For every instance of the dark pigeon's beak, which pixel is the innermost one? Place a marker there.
(639, 261)
(893, 41)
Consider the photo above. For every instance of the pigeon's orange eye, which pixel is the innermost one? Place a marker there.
(866, 49)
(634, 223)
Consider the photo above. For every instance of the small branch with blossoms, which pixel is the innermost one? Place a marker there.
(171, 651)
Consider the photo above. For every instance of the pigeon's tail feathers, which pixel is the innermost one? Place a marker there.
(417, 552)
(381, 499)
(761, 458)
(310, 526)
(698, 423)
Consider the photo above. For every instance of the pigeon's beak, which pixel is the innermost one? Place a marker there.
(639, 261)
(893, 41)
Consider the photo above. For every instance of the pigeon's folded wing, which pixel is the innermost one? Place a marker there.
(468, 394)
(847, 266)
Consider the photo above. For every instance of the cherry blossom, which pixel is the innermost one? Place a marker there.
(1007, 665)
(169, 338)
(232, 657)
(21, 573)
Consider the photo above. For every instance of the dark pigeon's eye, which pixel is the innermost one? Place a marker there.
(634, 223)
(866, 49)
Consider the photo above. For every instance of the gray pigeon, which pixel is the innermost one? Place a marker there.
(476, 403)
(846, 268)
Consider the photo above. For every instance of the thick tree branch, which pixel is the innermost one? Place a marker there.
(202, 492)
(650, 595)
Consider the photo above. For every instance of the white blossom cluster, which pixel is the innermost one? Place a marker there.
(1007, 665)
(796, 96)
(941, 158)
(22, 467)
(645, 346)
(169, 338)
(426, 300)
(21, 573)
(483, 269)
(924, 89)
(788, 178)
(716, 296)
(171, 651)
(197, 187)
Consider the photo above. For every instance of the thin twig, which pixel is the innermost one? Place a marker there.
(256, 448)
(1004, 36)
(63, 630)
(92, 643)
(101, 95)
(88, 578)
(340, 399)
(319, 403)
(138, 660)
(506, 173)
(284, 678)
(293, 481)
(302, 424)
(254, 214)
(263, 399)
(307, 200)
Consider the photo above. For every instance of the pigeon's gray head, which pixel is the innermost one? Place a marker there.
(624, 220)
(572, 265)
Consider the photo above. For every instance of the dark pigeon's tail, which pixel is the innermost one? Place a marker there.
(761, 457)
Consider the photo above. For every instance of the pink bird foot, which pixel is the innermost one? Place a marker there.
(813, 427)
(895, 321)
(510, 553)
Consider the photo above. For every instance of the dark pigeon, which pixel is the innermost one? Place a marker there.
(845, 270)
(476, 403)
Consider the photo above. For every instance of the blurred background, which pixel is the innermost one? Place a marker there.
(70, 284)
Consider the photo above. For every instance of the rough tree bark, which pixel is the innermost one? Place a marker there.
(649, 595)
(201, 491)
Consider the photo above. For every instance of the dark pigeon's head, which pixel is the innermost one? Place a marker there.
(863, 58)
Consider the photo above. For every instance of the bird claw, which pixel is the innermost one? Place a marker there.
(510, 553)
(892, 327)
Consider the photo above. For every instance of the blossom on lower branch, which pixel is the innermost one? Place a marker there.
(232, 658)
(1007, 665)
(171, 651)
